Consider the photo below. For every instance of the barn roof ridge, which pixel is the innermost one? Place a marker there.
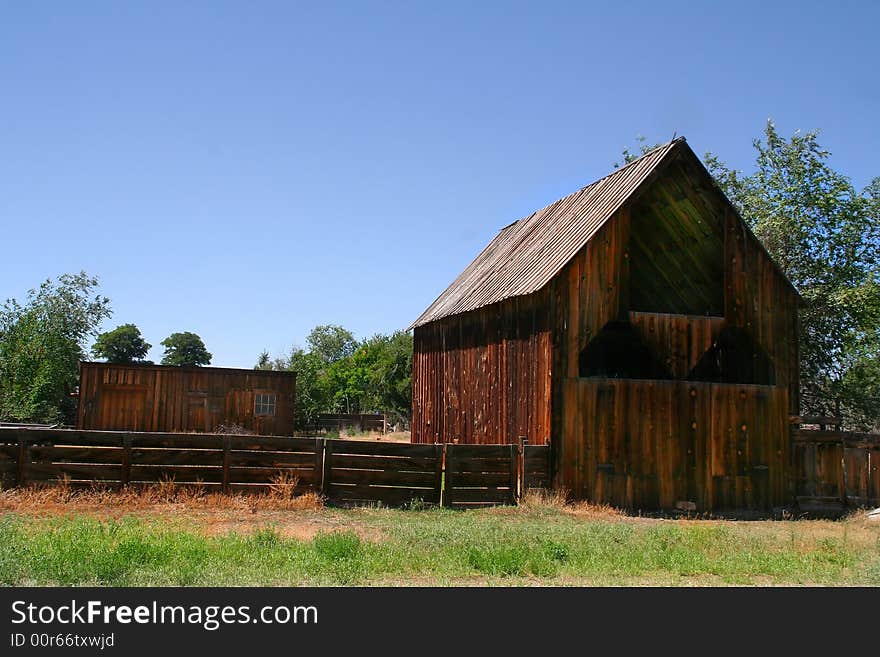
(512, 264)
(598, 180)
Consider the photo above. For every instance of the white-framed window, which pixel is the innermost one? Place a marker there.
(264, 404)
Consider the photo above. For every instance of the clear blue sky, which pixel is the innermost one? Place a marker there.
(247, 170)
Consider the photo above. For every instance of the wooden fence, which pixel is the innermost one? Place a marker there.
(346, 472)
(219, 463)
(835, 470)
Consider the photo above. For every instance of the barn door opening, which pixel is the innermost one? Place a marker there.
(619, 352)
(735, 357)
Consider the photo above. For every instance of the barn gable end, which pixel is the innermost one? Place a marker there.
(638, 327)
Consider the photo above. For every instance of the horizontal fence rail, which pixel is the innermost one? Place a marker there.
(346, 472)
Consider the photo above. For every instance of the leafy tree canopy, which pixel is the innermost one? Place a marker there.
(123, 344)
(41, 343)
(331, 343)
(185, 350)
(825, 235)
(342, 375)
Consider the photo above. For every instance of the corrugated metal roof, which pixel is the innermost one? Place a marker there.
(526, 255)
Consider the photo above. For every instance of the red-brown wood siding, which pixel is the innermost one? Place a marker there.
(170, 399)
(484, 376)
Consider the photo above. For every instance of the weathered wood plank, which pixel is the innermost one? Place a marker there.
(271, 459)
(255, 443)
(178, 473)
(479, 465)
(481, 479)
(376, 448)
(97, 472)
(270, 475)
(163, 456)
(386, 477)
(77, 454)
(401, 463)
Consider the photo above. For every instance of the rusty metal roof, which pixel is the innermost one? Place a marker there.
(526, 255)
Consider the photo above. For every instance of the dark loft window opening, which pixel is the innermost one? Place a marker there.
(618, 352)
(735, 358)
(676, 257)
(264, 404)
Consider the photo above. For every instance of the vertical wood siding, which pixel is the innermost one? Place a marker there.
(170, 399)
(484, 377)
(651, 444)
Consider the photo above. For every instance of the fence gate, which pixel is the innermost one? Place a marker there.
(395, 474)
(480, 475)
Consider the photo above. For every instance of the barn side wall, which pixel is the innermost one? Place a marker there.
(168, 399)
(484, 376)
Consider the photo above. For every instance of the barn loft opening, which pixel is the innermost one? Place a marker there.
(619, 352)
(676, 247)
(735, 358)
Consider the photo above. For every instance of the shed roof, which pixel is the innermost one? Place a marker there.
(526, 255)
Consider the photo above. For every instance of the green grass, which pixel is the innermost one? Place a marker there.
(542, 545)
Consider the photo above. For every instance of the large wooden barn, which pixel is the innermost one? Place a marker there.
(639, 328)
(184, 399)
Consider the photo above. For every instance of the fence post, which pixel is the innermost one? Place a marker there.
(438, 452)
(328, 462)
(521, 466)
(318, 477)
(22, 454)
(448, 454)
(514, 469)
(227, 442)
(125, 473)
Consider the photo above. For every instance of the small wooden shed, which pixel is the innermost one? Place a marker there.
(639, 328)
(184, 399)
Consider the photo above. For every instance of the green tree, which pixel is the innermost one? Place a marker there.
(389, 380)
(264, 361)
(331, 343)
(311, 387)
(123, 344)
(825, 235)
(41, 343)
(185, 350)
(342, 375)
(642, 147)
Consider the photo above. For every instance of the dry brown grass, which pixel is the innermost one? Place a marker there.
(63, 498)
(558, 500)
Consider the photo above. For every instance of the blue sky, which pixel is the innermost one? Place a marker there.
(247, 170)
